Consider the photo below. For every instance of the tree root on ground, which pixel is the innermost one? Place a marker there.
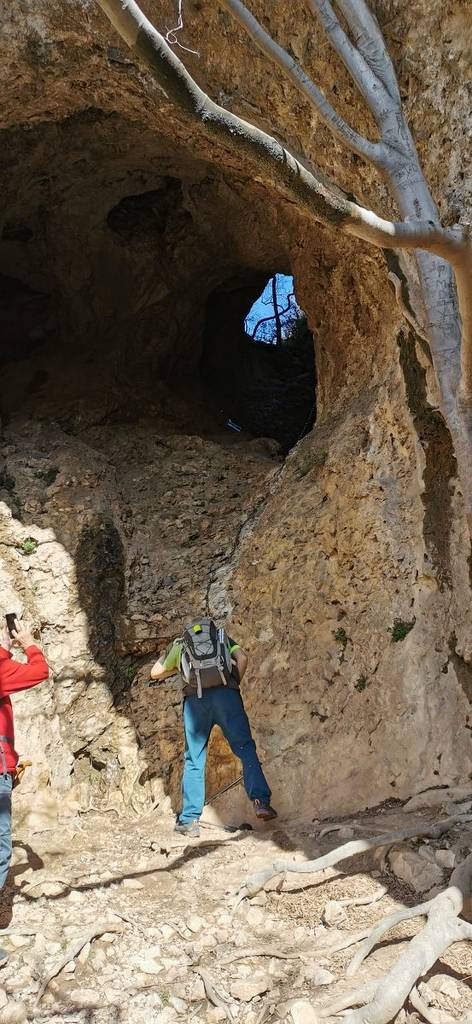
(357, 997)
(75, 948)
(254, 883)
(364, 901)
(442, 929)
(213, 996)
(379, 1002)
(269, 951)
(342, 942)
(381, 928)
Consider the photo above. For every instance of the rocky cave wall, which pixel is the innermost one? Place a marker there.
(125, 506)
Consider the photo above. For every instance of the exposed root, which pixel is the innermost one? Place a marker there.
(417, 327)
(214, 996)
(75, 948)
(364, 901)
(357, 997)
(349, 939)
(436, 798)
(335, 828)
(442, 929)
(379, 1002)
(254, 883)
(269, 951)
(380, 929)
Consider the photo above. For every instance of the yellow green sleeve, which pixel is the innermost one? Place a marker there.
(171, 660)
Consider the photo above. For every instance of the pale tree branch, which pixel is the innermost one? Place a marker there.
(371, 88)
(254, 883)
(358, 997)
(369, 41)
(442, 929)
(372, 151)
(380, 929)
(277, 169)
(440, 932)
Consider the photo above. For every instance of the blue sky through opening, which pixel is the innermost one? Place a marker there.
(263, 307)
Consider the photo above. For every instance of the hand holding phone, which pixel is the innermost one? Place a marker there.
(11, 619)
(17, 633)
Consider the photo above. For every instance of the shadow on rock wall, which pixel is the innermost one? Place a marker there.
(110, 540)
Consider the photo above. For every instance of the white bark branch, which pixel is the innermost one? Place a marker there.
(358, 997)
(369, 41)
(440, 932)
(74, 948)
(463, 272)
(372, 151)
(277, 167)
(371, 88)
(380, 929)
(254, 883)
(442, 929)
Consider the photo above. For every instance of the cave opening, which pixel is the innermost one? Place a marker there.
(257, 363)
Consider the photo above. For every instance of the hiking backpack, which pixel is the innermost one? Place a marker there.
(206, 657)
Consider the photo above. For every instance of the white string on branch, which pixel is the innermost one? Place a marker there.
(171, 36)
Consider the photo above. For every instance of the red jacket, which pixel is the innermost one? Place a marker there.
(16, 676)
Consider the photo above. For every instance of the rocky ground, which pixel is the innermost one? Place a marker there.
(123, 920)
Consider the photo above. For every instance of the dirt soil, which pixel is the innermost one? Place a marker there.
(169, 944)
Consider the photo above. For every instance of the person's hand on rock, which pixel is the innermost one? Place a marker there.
(22, 635)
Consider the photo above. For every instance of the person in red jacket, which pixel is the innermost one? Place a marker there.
(14, 676)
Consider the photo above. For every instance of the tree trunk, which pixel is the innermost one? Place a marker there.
(440, 313)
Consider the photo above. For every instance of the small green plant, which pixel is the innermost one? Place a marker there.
(341, 636)
(400, 630)
(29, 546)
(361, 684)
(130, 672)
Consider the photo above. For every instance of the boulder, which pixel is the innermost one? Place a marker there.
(445, 858)
(319, 975)
(246, 989)
(302, 1012)
(415, 870)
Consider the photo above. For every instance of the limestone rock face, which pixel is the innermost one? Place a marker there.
(112, 575)
(126, 505)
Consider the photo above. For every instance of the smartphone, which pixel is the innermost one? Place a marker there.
(11, 618)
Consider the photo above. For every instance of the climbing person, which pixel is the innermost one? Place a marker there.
(212, 666)
(14, 676)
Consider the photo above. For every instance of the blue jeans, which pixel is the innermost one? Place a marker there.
(224, 707)
(5, 826)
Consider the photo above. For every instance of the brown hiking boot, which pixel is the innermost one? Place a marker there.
(263, 811)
